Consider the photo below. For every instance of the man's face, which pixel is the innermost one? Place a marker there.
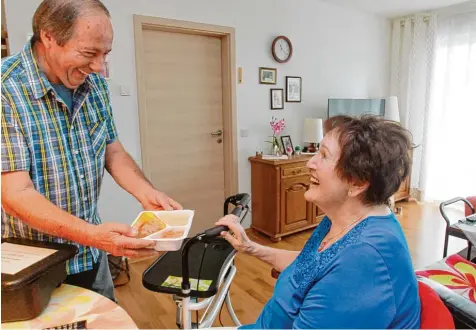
(84, 53)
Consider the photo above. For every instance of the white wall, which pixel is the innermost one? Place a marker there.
(338, 52)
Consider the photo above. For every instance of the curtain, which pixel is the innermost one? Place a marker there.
(411, 76)
(450, 159)
(434, 76)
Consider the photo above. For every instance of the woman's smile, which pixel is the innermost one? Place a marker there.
(314, 181)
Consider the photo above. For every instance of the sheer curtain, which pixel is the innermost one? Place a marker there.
(411, 76)
(434, 77)
(450, 160)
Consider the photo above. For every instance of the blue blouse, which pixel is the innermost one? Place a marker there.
(364, 280)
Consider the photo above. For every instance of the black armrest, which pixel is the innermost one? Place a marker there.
(452, 201)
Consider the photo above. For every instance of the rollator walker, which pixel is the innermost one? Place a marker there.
(211, 261)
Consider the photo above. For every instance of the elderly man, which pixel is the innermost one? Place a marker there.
(58, 135)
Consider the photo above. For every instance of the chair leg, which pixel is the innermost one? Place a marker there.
(445, 247)
(469, 251)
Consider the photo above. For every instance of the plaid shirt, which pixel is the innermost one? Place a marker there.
(63, 150)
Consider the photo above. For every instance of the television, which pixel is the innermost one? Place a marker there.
(355, 107)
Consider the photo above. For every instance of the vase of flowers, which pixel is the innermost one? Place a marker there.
(277, 127)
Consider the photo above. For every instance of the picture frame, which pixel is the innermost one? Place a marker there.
(267, 76)
(277, 98)
(288, 147)
(293, 89)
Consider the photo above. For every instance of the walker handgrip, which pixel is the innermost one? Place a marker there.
(245, 199)
(237, 211)
(215, 231)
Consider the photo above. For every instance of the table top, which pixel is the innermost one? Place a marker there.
(70, 304)
(291, 159)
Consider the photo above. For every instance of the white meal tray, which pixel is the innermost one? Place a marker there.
(174, 220)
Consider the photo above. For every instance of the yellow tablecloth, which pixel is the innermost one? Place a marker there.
(70, 304)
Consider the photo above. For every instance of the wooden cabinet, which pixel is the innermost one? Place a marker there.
(5, 42)
(277, 197)
(295, 211)
(404, 191)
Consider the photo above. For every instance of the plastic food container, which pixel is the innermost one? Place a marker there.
(26, 293)
(177, 226)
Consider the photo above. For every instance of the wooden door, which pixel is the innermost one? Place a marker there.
(182, 120)
(295, 211)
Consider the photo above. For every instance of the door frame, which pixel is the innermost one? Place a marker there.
(227, 36)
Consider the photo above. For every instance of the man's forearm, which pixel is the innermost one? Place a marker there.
(34, 209)
(277, 258)
(126, 173)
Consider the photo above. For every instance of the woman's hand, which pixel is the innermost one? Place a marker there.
(239, 240)
(277, 258)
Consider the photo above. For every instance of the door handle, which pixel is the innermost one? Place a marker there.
(217, 133)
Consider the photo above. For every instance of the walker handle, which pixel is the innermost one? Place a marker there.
(241, 205)
(215, 231)
(241, 201)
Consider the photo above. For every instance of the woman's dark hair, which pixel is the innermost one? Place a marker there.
(373, 150)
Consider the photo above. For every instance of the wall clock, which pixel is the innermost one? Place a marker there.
(282, 49)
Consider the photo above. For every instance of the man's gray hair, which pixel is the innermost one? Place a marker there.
(58, 17)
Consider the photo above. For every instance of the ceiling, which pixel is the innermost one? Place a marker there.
(395, 8)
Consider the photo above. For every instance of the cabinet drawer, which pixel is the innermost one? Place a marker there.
(293, 171)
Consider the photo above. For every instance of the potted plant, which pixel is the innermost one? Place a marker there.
(277, 127)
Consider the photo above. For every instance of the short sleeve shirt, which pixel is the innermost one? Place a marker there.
(62, 149)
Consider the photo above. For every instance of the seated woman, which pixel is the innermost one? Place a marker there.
(355, 271)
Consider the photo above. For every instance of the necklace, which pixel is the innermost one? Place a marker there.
(324, 242)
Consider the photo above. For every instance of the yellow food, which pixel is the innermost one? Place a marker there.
(148, 223)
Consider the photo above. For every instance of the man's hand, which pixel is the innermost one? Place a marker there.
(156, 200)
(118, 240)
(239, 240)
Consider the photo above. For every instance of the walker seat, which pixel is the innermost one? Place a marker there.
(215, 255)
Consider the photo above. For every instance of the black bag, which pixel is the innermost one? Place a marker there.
(117, 265)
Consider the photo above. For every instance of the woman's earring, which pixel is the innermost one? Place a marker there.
(350, 193)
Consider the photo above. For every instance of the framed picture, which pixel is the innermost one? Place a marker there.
(287, 145)
(277, 96)
(293, 89)
(267, 76)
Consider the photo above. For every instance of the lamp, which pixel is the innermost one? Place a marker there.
(391, 109)
(313, 132)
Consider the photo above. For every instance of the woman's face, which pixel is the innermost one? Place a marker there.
(326, 187)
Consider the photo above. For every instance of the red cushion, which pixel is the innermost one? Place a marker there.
(434, 314)
(472, 200)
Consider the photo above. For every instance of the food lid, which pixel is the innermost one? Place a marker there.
(24, 260)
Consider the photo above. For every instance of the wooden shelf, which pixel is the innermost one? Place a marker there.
(5, 43)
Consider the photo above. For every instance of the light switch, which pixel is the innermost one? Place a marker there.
(125, 90)
(244, 132)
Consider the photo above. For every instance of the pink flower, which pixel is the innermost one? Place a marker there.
(277, 125)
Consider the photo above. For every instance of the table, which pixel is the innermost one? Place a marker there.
(70, 303)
